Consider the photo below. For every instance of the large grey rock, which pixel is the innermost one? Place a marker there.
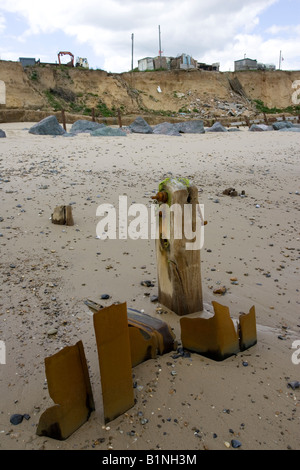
(83, 125)
(217, 127)
(48, 126)
(281, 125)
(2, 133)
(190, 127)
(290, 129)
(166, 128)
(265, 127)
(108, 131)
(140, 126)
(260, 128)
(256, 128)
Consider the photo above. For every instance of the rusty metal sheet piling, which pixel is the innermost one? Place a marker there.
(217, 337)
(70, 389)
(143, 345)
(247, 329)
(214, 337)
(112, 338)
(166, 340)
(148, 336)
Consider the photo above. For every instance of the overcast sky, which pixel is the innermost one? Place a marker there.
(101, 30)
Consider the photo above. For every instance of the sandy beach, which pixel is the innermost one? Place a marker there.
(47, 271)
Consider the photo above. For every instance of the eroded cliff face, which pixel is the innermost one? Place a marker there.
(207, 95)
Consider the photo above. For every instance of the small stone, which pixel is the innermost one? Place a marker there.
(52, 331)
(220, 291)
(147, 284)
(235, 443)
(105, 296)
(294, 385)
(16, 419)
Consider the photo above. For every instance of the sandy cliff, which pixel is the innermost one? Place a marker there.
(208, 95)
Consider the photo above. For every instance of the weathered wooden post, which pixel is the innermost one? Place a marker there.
(119, 118)
(63, 116)
(178, 246)
(62, 215)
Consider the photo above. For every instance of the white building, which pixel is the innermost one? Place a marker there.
(146, 64)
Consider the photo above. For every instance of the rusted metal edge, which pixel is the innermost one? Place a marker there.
(70, 388)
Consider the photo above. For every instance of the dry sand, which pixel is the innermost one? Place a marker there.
(47, 271)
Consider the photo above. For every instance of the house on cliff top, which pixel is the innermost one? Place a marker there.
(250, 64)
(181, 62)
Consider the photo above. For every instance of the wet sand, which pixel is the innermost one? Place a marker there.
(47, 271)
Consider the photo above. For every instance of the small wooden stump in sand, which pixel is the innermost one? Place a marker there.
(62, 215)
(179, 274)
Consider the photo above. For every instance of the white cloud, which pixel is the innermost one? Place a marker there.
(265, 51)
(209, 31)
(291, 30)
(2, 23)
